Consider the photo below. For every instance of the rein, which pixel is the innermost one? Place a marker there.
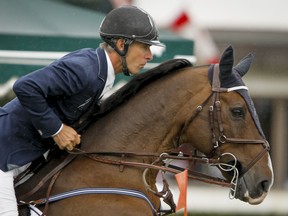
(165, 194)
(98, 156)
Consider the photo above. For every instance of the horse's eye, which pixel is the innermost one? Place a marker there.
(238, 112)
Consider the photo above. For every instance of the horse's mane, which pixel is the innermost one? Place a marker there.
(139, 81)
(128, 90)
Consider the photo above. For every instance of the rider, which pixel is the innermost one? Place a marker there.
(54, 97)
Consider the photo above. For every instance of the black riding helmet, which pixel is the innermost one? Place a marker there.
(131, 24)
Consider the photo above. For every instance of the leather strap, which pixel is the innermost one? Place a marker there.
(67, 160)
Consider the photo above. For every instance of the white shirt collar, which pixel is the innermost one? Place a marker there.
(110, 75)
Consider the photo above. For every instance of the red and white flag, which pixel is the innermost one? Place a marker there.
(205, 50)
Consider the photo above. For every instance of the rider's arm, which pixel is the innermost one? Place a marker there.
(34, 90)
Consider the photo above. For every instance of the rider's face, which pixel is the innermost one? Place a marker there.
(137, 56)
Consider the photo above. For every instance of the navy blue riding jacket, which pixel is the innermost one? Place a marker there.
(46, 98)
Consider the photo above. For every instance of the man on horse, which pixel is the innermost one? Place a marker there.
(51, 99)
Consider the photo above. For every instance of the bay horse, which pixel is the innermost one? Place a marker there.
(207, 107)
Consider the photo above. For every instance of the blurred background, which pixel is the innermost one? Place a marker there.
(33, 33)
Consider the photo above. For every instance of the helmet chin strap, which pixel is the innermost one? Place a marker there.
(122, 54)
(124, 66)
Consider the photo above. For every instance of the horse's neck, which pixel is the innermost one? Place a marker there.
(147, 122)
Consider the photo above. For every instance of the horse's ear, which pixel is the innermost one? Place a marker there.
(243, 66)
(226, 63)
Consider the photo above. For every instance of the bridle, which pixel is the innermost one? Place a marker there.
(215, 110)
(216, 90)
(218, 139)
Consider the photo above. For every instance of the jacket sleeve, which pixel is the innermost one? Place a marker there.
(57, 80)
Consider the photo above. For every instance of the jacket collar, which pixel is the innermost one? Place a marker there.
(102, 64)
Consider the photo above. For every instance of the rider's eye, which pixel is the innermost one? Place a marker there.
(238, 112)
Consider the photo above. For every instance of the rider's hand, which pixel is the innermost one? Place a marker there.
(67, 138)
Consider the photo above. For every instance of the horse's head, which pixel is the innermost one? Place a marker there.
(236, 135)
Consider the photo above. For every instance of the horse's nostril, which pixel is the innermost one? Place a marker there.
(265, 185)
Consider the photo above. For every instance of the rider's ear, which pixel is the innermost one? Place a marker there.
(120, 44)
